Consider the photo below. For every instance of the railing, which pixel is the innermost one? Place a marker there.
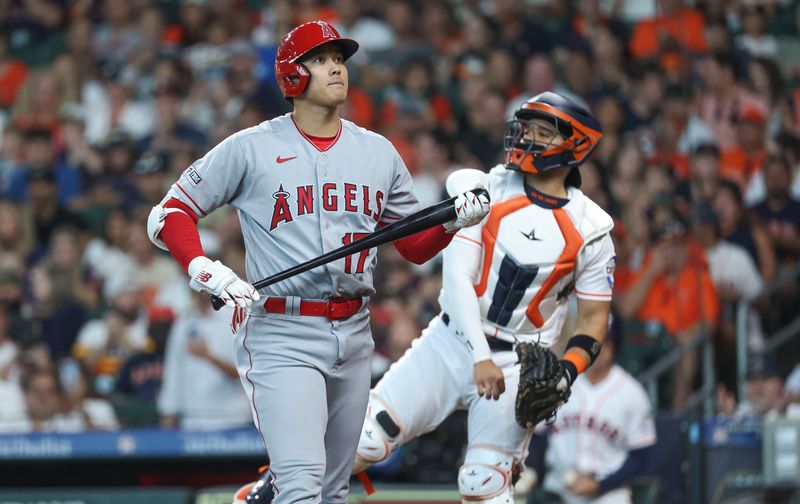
(776, 340)
(653, 374)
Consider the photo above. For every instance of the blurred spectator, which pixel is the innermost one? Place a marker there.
(702, 181)
(764, 391)
(62, 294)
(754, 40)
(792, 388)
(115, 107)
(736, 226)
(47, 214)
(141, 376)
(743, 162)
(116, 40)
(736, 279)
(12, 75)
(723, 98)
(675, 28)
(40, 98)
(9, 350)
(417, 91)
(40, 155)
(779, 213)
(155, 273)
(46, 409)
(481, 142)
(16, 231)
(81, 396)
(151, 178)
(13, 411)
(373, 34)
(674, 288)
(646, 97)
(602, 436)
(434, 154)
(201, 389)
(104, 344)
(78, 154)
(518, 31)
(537, 76)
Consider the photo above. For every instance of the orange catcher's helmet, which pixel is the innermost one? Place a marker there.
(293, 76)
(577, 126)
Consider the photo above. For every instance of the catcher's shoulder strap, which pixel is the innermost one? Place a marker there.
(465, 179)
(591, 221)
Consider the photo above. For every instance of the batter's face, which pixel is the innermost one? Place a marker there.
(328, 83)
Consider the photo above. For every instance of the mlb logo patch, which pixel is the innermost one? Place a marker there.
(611, 267)
(193, 176)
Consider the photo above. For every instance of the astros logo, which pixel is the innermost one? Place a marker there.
(280, 212)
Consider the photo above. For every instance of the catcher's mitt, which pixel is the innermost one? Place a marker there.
(541, 391)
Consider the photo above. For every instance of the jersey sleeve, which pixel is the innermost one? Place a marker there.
(401, 201)
(213, 180)
(641, 430)
(595, 270)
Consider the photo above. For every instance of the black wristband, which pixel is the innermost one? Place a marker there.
(585, 342)
(571, 370)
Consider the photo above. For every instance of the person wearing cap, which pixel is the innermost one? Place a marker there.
(764, 393)
(40, 155)
(303, 184)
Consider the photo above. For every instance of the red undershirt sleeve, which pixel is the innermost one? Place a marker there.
(180, 233)
(421, 247)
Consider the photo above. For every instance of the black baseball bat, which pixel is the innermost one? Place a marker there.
(426, 218)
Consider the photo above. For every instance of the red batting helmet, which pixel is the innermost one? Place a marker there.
(292, 76)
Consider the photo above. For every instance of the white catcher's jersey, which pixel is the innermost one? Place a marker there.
(597, 427)
(296, 202)
(531, 257)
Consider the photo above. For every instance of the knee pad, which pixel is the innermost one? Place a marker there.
(380, 435)
(486, 476)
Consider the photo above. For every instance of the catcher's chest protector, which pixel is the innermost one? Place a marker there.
(530, 255)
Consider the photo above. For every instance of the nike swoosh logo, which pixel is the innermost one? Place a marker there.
(279, 159)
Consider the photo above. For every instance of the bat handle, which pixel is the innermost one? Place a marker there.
(217, 302)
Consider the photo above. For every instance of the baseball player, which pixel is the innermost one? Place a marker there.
(601, 437)
(303, 184)
(505, 281)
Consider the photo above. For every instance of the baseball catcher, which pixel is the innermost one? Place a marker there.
(506, 283)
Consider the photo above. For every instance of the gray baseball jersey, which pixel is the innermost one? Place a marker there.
(307, 377)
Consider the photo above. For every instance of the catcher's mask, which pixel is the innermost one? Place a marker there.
(531, 146)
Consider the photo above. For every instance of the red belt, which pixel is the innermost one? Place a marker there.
(334, 308)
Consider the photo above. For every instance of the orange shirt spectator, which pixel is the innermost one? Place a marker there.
(684, 26)
(681, 299)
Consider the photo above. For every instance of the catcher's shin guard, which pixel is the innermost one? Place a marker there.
(257, 492)
(486, 476)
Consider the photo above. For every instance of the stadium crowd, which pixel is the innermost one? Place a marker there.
(104, 103)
